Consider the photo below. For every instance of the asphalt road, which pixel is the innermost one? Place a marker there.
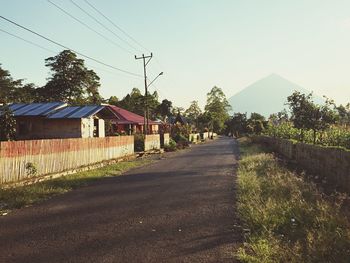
(179, 209)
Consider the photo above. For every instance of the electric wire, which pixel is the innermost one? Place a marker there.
(116, 26)
(28, 41)
(54, 52)
(65, 47)
(105, 27)
(87, 26)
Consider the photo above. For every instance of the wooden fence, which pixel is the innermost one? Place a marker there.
(21, 160)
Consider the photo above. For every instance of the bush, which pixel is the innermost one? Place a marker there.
(139, 142)
(171, 147)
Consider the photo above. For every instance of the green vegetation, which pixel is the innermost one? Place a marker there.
(216, 110)
(286, 218)
(333, 136)
(8, 125)
(171, 147)
(17, 197)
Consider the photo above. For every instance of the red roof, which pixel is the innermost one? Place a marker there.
(127, 117)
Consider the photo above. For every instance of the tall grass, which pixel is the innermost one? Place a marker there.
(286, 218)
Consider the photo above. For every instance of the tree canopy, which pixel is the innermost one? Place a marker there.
(70, 80)
(217, 108)
(306, 115)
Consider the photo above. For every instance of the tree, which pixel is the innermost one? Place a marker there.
(256, 123)
(193, 112)
(8, 124)
(7, 86)
(237, 125)
(344, 114)
(217, 108)
(70, 80)
(113, 100)
(164, 109)
(308, 116)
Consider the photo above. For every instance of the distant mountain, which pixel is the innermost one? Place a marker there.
(266, 96)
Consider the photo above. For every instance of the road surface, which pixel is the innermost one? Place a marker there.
(179, 209)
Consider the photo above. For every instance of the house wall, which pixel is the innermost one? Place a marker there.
(87, 127)
(330, 163)
(43, 128)
(152, 142)
(101, 128)
(58, 155)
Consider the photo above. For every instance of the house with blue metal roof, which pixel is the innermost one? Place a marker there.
(57, 120)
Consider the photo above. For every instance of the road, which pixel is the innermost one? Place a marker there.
(178, 209)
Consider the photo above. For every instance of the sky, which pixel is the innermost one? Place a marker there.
(198, 44)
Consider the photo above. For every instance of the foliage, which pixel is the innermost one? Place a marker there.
(256, 124)
(135, 102)
(164, 109)
(193, 112)
(113, 100)
(217, 108)
(31, 169)
(8, 124)
(237, 125)
(139, 142)
(179, 132)
(333, 136)
(70, 80)
(343, 115)
(14, 91)
(308, 116)
(171, 147)
(286, 218)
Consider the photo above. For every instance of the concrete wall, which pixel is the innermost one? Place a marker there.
(330, 163)
(58, 155)
(166, 138)
(205, 135)
(152, 142)
(194, 137)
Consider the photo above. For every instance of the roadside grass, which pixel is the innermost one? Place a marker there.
(286, 218)
(21, 196)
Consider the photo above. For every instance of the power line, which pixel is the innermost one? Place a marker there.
(115, 25)
(65, 47)
(28, 41)
(101, 24)
(87, 26)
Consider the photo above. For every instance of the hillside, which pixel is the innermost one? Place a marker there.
(266, 96)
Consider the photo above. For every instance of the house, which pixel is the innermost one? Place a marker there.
(130, 123)
(177, 119)
(57, 120)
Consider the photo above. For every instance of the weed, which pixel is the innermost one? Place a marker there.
(288, 219)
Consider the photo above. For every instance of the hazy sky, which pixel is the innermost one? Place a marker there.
(197, 43)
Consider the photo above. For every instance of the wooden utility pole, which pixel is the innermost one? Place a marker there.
(146, 114)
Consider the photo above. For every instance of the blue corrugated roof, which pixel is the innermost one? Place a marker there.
(35, 109)
(76, 112)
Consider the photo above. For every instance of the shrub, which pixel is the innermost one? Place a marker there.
(139, 142)
(171, 147)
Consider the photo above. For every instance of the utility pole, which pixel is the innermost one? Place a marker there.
(146, 117)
